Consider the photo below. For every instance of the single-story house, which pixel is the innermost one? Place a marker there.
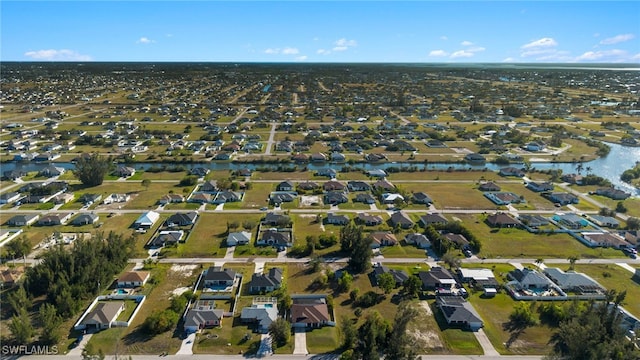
(62, 198)
(103, 315)
(196, 320)
(365, 198)
(51, 171)
(209, 186)
(459, 312)
(533, 220)
(432, 219)
(216, 276)
(262, 313)
(572, 281)
(419, 240)
(23, 220)
(421, 198)
(437, 277)
(511, 171)
(529, 279)
(165, 237)
(539, 187)
(146, 220)
(605, 239)
(182, 219)
(502, 220)
(310, 313)
(333, 185)
(132, 279)
(54, 219)
(201, 198)
(335, 198)
(125, 171)
(478, 277)
(383, 184)
(85, 219)
(489, 186)
(604, 221)
(9, 197)
(563, 198)
(612, 193)
(382, 238)
(401, 219)
(276, 219)
(268, 282)
(399, 276)
(337, 219)
(379, 173)
(475, 158)
(171, 199)
(459, 240)
(276, 238)
(238, 238)
(391, 198)
(285, 186)
(89, 199)
(358, 186)
(570, 220)
(328, 172)
(369, 220)
(308, 185)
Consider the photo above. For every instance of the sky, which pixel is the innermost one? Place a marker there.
(321, 31)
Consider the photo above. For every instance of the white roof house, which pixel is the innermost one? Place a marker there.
(146, 220)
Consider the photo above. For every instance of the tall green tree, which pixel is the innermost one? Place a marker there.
(50, 324)
(280, 331)
(361, 253)
(373, 335)
(401, 342)
(92, 169)
(19, 247)
(21, 327)
(594, 333)
(349, 333)
(386, 282)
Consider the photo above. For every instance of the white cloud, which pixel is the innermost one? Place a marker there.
(301, 58)
(57, 55)
(540, 43)
(509, 59)
(476, 49)
(461, 54)
(617, 39)
(345, 43)
(438, 53)
(290, 51)
(608, 55)
(443, 37)
(272, 51)
(323, 51)
(466, 43)
(636, 57)
(145, 40)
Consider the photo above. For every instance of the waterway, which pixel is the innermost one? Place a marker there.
(620, 158)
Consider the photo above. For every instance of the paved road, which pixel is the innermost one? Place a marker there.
(271, 357)
(270, 142)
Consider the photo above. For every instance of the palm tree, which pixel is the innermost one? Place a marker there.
(579, 168)
(572, 261)
(588, 170)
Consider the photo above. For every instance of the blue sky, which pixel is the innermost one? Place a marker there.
(321, 31)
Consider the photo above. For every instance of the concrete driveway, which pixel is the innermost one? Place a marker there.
(77, 351)
(186, 348)
(300, 338)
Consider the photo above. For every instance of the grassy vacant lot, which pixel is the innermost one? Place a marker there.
(456, 196)
(519, 242)
(209, 234)
(280, 176)
(495, 313)
(133, 340)
(615, 277)
(258, 196)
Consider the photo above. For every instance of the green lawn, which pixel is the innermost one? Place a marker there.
(323, 340)
(258, 196)
(520, 243)
(617, 278)
(495, 312)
